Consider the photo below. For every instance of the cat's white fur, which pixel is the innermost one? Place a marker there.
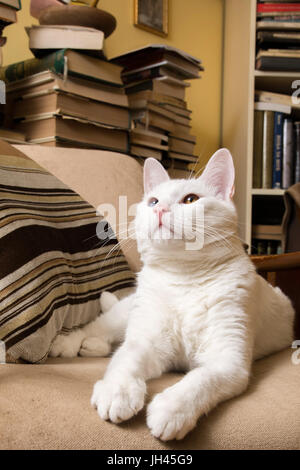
(204, 311)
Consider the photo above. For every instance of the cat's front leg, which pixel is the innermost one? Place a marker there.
(121, 393)
(174, 412)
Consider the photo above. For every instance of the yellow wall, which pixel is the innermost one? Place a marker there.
(194, 26)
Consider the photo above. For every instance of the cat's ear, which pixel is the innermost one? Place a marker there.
(154, 174)
(219, 174)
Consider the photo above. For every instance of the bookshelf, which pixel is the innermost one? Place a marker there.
(237, 117)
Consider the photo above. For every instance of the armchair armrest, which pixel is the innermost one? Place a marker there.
(283, 271)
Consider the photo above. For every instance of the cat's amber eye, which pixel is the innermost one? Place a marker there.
(152, 201)
(190, 198)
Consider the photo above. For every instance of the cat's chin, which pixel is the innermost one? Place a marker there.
(161, 246)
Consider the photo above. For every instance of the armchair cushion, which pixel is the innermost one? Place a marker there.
(53, 266)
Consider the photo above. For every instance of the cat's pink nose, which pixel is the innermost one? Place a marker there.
(159, 209)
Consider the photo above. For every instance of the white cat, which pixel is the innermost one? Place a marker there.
(202, 310)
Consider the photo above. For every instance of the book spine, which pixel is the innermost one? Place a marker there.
(143, 75)
(267, 154)
(277, 150)
(54, 62)
(257, 149)
(297, 152)
(287, 154)
(15, 5)
(279, 7)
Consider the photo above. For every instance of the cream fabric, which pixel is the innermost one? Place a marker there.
(83, 171)
(47, 407)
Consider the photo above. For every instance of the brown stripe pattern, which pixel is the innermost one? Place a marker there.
(53, 267)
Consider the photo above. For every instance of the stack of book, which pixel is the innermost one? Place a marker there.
(155, 79)
(276, 157)
(278, 36)
(69, 95)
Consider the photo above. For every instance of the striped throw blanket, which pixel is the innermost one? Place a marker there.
(53, 267)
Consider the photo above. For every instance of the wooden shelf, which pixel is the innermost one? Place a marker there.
(240, 79)
(267, 192)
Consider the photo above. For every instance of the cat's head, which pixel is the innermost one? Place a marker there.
(186, 215)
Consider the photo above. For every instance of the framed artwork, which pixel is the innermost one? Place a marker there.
(152, 16)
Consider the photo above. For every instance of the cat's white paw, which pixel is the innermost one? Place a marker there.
(117, 401)
(94, 347)
(67, 345)
(168, 418)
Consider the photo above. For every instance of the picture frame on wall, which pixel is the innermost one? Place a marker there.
(152, 16)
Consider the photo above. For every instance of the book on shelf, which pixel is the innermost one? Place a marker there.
(288, 61)
(65, 62)
(283, 16)
(56, 129)
(60, 103)
(277, 1)
(43, 39)
(280, 39)
(257, 149)
(288, 154)
(277, 25)
(266, 247)
(267, 149)
(279, 7)
(277, 151)
(297, 152)
(278, 98)
(270, 106)
(274, 150)
(279, 53)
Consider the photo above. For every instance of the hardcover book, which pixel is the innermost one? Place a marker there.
(267, 152)
(287, 154)
(297, 152)
(257, 149)
(277, 150)
(65, 62)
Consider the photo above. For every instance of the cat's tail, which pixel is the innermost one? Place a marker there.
(107, 301)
